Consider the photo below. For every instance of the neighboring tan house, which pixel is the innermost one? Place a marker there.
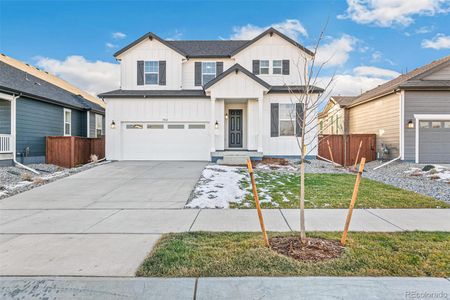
(35, 104)
(410, 114)
(331, 118)
(195, 100)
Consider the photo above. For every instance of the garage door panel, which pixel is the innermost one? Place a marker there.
(434, 142)
(170, 141)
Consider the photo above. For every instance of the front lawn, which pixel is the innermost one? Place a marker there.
(197, 254)
(280, 189)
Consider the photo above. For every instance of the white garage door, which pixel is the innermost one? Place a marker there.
(168, 141)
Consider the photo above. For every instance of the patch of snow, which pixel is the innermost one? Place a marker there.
(218, 187)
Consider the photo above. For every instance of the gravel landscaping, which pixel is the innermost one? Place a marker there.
(15, 180)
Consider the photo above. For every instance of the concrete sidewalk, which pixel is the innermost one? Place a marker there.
(225, 288)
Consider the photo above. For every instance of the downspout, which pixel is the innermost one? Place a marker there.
(401, 109)
(13, 134)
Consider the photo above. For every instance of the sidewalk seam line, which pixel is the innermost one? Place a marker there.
(195, 219)
(381, 218)
(285, 220)
(195, 288)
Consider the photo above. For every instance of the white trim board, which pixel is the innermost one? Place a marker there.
(420, 117)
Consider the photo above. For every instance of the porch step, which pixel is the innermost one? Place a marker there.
(233, 160)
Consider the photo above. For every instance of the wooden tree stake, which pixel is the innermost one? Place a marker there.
(357, 155)
(258, 207)
(331, 153)
(352, 203)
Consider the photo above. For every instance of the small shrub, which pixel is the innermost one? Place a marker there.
(94, 158)
(427, 168)
(27, 177)
(38, 181)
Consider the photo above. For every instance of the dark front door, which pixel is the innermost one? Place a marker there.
(235, 128)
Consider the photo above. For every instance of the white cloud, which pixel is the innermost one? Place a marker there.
(375, 72)
(386, 13)
(440, 41)
(118, 35)
(92, 76)
(290, 27)
(336, 52)
(351, 85)
(177, 34)
(110, 45)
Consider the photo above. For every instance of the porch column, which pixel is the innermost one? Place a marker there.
(260, 123)
(213, 124)
(13, 126)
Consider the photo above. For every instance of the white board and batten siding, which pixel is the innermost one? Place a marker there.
(169, 141)
(189, 70)
(150, 50)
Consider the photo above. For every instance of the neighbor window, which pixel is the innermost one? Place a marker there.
(446, 124)
(436, 124)
(287, 119)
(337, 124)
(321, 126)
(208, 72)
(263, 67)
(98, 125)
(424, 124)
(67, 122)
(151, 72)
(276, 67)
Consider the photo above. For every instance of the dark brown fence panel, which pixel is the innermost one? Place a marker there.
(70, 151)
(345, 148)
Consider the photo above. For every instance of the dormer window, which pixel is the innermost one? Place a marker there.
(208, 72)
(263, 67)
(277, 66)
(151, 72)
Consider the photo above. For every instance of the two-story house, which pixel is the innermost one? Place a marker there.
(203, 100)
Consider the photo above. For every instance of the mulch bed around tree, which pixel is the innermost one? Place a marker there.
(315, 249)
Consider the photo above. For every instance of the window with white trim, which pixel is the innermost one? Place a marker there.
(287, 114)
(67, 122)
(277, 66)
(208, 71)
(151, 72)
(263, 67)
(98, 125)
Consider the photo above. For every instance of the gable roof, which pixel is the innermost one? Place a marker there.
(46, 76)
(236, 68)
(271, 31)
(343, 100)
(210, 49)
(402, 80)
(14, 80)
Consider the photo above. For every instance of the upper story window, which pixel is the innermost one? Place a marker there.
(277, 66)
(263, 67)
(151, 72)
(208, 72)
(67, 122)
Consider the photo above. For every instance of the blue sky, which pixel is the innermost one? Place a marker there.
(369, 41)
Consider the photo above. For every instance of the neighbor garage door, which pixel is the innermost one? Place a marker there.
(434, 141)
(168, 141)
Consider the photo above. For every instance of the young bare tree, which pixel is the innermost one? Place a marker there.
(311, 99)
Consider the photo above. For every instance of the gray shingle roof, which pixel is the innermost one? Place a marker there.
(207, 48)
(294, 89)
(344, 100)
(152, 93)
(18, 81)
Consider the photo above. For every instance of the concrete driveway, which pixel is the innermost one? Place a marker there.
(101, 222)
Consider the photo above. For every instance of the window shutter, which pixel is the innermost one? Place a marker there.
(198, 73)
(162, 72)
(256, 67)
(285, 66)
(299, 118)
(140, 72)
(274, 119)
(219, 68)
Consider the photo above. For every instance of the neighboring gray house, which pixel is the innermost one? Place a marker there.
(35, 104)
(410, 114)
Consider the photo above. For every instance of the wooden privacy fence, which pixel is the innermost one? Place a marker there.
(344, 148)
(71, 151)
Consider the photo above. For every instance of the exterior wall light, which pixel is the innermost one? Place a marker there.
(216, 125)
(113, 124)
(226, 116)
(410, 124)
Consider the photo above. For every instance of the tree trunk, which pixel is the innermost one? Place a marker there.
(302, 200)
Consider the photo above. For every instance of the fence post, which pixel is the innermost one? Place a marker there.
(72, 151)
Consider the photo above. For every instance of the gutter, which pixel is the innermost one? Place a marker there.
(13, 133)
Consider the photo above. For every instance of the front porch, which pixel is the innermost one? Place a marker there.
(7, 119)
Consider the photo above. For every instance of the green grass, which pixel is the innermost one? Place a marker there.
(277, 189)
(243, 254)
